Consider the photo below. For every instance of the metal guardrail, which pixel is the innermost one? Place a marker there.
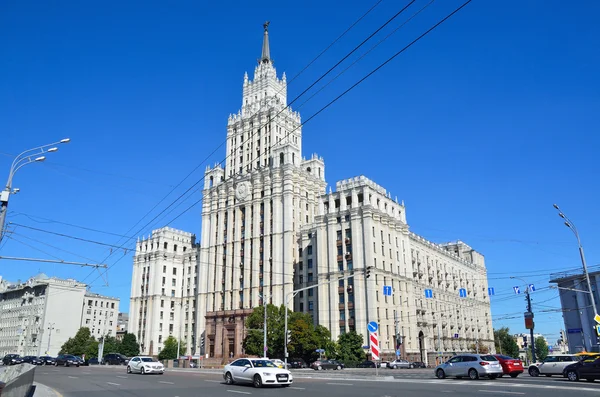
(17, 380)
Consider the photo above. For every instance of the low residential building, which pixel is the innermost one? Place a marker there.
(99, 314)
(577, 310)
(39, 315)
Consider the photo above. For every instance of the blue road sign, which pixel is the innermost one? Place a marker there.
(428, 293)
(320, 350)
(372, 326)
(491, 291)
(455, 336)
(387, 290)
(531, 288)
(517, 290)
(574, 330)
(462, 293)
(365, 346)
(398, 352)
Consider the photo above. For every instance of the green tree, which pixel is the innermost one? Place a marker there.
(483, 349)
(129, 346)
(169, 350)
(78, 344)
(541, 348)
(111, 345)
(505, 343)
(349, 347)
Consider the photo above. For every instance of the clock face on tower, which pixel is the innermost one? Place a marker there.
(242, 190)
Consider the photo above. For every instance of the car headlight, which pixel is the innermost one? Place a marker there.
(267, 374)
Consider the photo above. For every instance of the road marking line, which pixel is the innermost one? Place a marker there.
(340, 384)
(213, 381)
(45, 373)
(168, 383)
(501, 392)
(121, 376)
(240, 392)
(297, 388)
(73, 377)
(114, 384)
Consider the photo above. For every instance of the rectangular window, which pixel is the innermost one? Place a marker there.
(309, 250)
(310, 265)
(339, 235)
(310, 292)
(164, 269)
(162, 303)
(174, 272)
(172, 293)
(310, 277)
(347, 218)
(310, 306)
(173, 283)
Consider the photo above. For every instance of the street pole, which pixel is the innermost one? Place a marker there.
(533, 326)
(50, 328)
(29, 156)
(265, 328)
(396, 332)
(287, 299)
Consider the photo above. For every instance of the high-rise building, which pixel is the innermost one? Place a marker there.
(38, 316)
(163, 290)
(269, 226)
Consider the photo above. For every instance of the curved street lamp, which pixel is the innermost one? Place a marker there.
(29, 156)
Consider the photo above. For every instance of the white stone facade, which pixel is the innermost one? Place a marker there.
(38, 316)
(163, 290)
(99, 314)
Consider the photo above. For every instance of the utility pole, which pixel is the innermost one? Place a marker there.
(531, 330)
(398, 341)
(50, 328)
(264, 298)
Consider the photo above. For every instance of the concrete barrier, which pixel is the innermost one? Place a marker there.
(17, 380)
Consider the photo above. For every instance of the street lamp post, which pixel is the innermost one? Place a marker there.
(50, 328)
(264, 299)
(35, 155)
(571, 226)
(530, 311)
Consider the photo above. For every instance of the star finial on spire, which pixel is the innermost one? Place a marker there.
(266, 53)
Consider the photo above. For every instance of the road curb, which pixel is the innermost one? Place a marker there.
(41, 390)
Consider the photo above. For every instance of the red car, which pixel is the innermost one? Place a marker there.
(510, 366)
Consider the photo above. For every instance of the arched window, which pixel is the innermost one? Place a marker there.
(210, 182)
(308, 169)
(293, 158)
(281, 158)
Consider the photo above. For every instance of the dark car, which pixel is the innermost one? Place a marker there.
(419, 364)
(32, 360)
(47, 360)
(66, 360)
(366, 364)
(584, 369)
(92, 361)
(115, 359)
(82, 362)
(327, 364)
(297, 363)
(12, 359)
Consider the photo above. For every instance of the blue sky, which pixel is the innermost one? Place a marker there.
(480, 127)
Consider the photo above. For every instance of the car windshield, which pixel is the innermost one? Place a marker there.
(488, 357)
(263, 363)
(505, 357)
(147, 359)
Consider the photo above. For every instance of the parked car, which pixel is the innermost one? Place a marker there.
(471, 365)
(257, 371)
(296, 363)
(553, 365)
(115, 359)
(510, 366)
(327, 364)
(278, 362)
(82, 362)
(47, 360)
(366, 364)
(93, 361)
(399, 364)
(583, 369)
(12, 359)
(419, 364)
(66, 360)
(32, 360)
(145, 365)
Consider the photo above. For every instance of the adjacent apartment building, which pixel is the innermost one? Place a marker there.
(99, 314)
(163, 290)
(39, 315)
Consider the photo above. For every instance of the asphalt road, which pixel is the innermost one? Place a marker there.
(113, 381)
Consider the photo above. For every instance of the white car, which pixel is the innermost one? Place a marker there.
(279, 363)
(258, 371)
(145, 365)
(552, 365)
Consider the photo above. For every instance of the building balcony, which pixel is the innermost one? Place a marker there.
(338, 242)
(342, 323)
(341, 306)
(340, 258)
(340, 290)
(348, 256)
(348, 240)
(350, 305)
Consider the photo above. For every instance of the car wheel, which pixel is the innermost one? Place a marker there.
(339, 367)
(514, 375)
(440, 374)
(257, 382)
(66, 364)
(228, 378)
(473, 374)
(411, 366)
(55, 364)
(142, 371)
(128, 369)
(319, 368)
(572, 376)
(394, 367)
(534, 371)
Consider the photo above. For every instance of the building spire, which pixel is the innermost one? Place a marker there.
(266, 54)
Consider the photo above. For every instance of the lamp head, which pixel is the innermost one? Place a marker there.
(52, 149)
(40, 159)
(556, 206)
(66, 140)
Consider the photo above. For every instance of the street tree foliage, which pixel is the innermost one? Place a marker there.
(483, 349)
(169, 350)
(84, 343)
(129, 346)
(505, 343)
(349, 347)
(541, 348)
(306, 338)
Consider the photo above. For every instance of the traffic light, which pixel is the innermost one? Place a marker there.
(288, 337)
(368, 271)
